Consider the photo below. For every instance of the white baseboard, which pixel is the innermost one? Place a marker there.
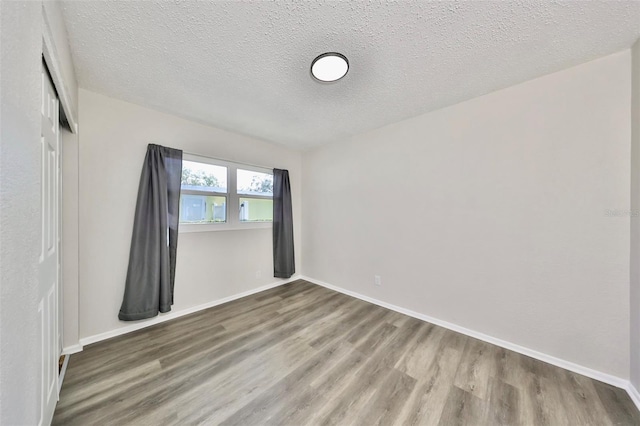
(567, 365)
(73, 349)
(177, 314)
(634, 394)
(576, 368)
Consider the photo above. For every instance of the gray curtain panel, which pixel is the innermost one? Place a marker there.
(283, 259)
(152, 259)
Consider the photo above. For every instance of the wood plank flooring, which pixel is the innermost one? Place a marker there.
(301, 354)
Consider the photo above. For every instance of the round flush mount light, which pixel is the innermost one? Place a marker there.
(329, 67)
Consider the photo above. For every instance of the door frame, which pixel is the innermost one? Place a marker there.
(53, 64)
(51, 58)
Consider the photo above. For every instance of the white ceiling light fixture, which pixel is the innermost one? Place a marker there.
(329, 67)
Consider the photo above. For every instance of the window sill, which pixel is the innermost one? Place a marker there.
(185, 228)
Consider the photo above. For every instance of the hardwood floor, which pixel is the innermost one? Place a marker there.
(301, 354)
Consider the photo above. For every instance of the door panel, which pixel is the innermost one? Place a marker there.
(49, 254)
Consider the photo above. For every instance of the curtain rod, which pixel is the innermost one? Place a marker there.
(228, 161)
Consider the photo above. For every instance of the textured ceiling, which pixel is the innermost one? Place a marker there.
(244, 66)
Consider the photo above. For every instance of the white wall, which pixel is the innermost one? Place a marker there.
(635, 218)
(490, 214)
(20, 99)
(210, 265)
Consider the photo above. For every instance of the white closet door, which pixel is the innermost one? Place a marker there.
(49, 251)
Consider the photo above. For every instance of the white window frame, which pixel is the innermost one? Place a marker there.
(233, 222)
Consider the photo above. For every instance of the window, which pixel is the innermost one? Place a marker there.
(256, 200)
(204, 193)
(221, 195)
